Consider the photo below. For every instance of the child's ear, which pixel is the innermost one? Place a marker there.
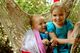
(64, 15)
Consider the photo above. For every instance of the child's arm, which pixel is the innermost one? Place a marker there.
(70, 38)
(60, 41)
(72, 34)
(53, 39)
(64, 41)
(52, 35)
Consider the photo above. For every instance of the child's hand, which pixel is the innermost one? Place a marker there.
(45, 41)
(54, 42)
(71, 40)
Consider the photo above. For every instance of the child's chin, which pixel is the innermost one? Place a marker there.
(59, 22)
(43, 30)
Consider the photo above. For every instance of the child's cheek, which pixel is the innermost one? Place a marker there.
(38, 27)
(43, 30)
(54, 19)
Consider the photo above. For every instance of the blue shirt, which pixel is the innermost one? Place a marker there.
(44, 35)
(61, 33)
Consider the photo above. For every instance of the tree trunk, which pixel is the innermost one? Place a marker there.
(14, 21)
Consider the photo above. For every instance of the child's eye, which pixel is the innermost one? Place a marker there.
(55, 15)
(40, 24)
(61, 15)
(44, 22)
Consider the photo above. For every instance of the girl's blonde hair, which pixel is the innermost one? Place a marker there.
(33, 17)
(57, 6)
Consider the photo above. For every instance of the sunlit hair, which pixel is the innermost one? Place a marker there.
(55, 5)
(33, 17)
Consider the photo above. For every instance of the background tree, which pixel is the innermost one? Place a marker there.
(34, 6)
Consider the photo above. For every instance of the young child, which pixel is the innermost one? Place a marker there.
(45, 37)
(60, 29)
(43, 33)
(32, 41)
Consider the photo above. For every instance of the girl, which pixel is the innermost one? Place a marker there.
(45, 37)
(32, 41)
(60, 29)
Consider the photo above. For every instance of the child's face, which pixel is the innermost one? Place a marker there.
(40, 24)
(58, 15)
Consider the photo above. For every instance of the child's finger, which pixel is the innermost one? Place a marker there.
(52, 44)
(51, 40)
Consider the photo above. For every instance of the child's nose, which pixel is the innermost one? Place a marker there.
(44, 25)
(57, 17)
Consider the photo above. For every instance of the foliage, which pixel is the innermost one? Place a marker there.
(75, 12)
(34, 6)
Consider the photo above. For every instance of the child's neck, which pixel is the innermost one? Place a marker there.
(58, 25)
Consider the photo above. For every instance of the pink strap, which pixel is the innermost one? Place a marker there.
(39, 42)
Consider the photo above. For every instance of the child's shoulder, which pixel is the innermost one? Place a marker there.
(29, 31)
(69, 24)
(49, 23)
(68, 21)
